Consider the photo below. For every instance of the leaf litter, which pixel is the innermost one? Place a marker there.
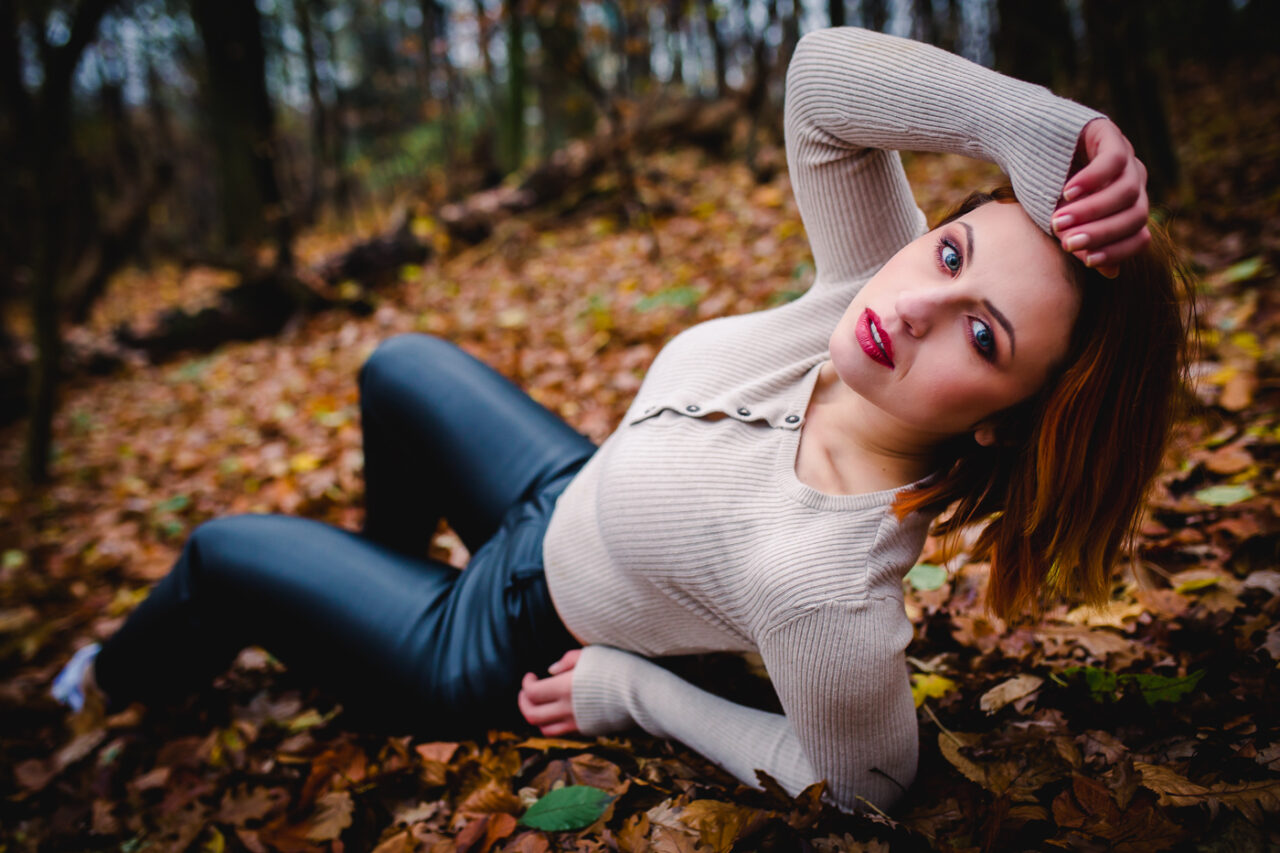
(1143, 725)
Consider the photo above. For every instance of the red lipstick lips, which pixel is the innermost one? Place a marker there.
(873, 338)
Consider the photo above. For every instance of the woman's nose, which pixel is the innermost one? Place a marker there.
(919, 308)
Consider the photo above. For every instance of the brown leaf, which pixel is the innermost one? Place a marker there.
(332, 815)
(719, 824)
(544, 743)
(241, 806)
(597, 772)
(530, 841)
(1237, 393)
(481, 834)
(400, 842)
(491, 798)
(35, 773)
(441, 751)
(104, 821)
(634, 835)
(1249, 798)
(1007, 691)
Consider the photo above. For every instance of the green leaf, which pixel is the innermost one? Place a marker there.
(1104, 685)
(1243, 270)
(1224, 495)
(678, 297)
(177, 503)
(570, 807)
(13, 558)
(1160, 688)
(781, 297)
(927, 576)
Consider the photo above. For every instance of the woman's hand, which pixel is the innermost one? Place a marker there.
(1103, 218)
(548, 702)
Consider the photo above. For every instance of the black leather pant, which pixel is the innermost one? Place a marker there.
(413, 643)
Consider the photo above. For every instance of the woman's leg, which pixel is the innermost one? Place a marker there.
(415, 644)
(446, 435)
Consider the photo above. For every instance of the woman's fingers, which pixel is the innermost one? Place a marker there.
(1105, 258)
(548, 703)
(1128, 192)
(1104, 218)
(566, 663)
(1108, 153)
(1104, 235)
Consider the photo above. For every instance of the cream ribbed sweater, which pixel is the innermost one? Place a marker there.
(688, 531)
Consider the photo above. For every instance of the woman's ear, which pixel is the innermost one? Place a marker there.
(985, 434)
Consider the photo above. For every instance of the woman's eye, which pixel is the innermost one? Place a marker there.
(949, 256)
(983, 337)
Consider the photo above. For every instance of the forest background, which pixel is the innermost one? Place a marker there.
(214, 210)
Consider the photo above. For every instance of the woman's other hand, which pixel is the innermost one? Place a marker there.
(1103, 217)
(548, 702)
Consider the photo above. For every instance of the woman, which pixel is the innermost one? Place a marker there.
(775, 476)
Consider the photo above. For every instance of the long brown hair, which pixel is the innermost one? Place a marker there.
(1064, 481)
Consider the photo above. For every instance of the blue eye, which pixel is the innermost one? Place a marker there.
(983, 338)
(949, 255)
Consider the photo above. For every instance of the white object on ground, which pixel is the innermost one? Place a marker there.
(68, 685)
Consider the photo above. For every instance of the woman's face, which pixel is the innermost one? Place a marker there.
(961, 323)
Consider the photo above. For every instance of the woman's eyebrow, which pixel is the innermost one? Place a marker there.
(1003, 321)
(969, 231)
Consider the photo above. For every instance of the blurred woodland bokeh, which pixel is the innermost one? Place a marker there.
(216, 209)
(213, 131)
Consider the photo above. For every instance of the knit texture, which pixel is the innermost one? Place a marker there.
(689, 531)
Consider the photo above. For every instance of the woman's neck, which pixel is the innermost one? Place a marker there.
(849, 446)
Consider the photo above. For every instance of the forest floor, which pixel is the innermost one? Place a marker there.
(1147, 724)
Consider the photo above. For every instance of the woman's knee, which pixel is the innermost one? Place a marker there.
(223, 549)
(407, 357)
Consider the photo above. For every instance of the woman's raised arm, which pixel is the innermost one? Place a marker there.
(855, 96)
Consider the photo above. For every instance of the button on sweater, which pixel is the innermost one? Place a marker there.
(689, 531)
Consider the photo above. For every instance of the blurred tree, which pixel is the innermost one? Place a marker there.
(43, 176)
(513, 110)
(1033, 42)
(719, 50)
(1134, 94)
(441, 86)
(321, 124)
(875, 14)
(241, 123)
(674, 19)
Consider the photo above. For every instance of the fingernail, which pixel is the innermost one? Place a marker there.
(1071, 193)
(1063, 221)
(1076, 241)
(1094, 258)
(1109, 272)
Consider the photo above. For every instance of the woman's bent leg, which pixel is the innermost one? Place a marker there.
(446, 435)
(426, 647)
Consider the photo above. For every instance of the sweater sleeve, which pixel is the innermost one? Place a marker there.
(842, 680)
(855, 97)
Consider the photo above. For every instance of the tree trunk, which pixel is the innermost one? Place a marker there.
(1118, 50)
(875, 14)
(712, 15)
(1023, 49)
(514, 112)
(242, 127)
(318, 191)
(923, 26)
(47, 153)
(835, 12)
(675, 40)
